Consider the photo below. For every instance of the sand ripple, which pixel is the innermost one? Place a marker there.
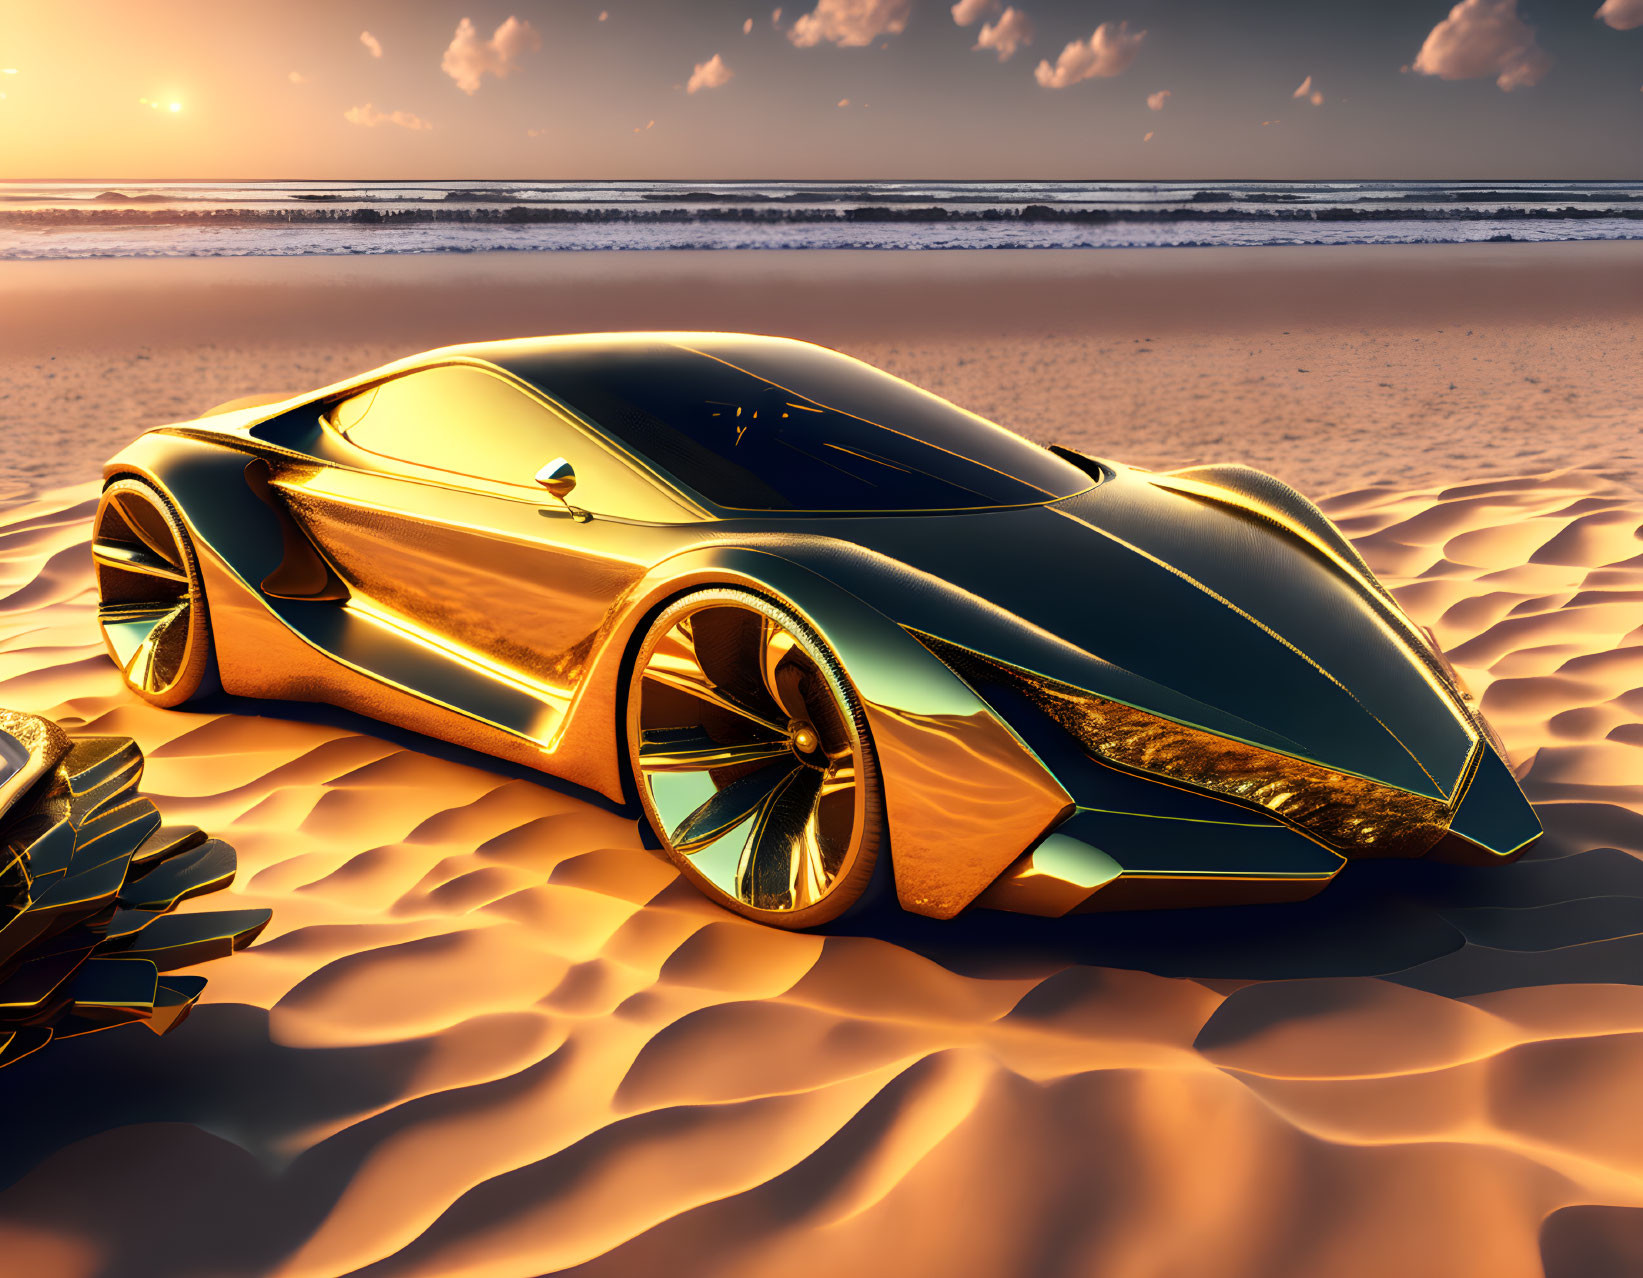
(489, 1033)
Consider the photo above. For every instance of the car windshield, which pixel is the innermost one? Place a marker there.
(766, 424)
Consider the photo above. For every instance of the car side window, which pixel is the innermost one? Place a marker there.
(469, 422)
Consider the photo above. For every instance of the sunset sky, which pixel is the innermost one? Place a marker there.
(104, 89)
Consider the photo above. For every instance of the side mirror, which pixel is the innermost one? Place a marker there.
(558, 477)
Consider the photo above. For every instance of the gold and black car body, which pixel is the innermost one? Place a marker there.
(812, 619)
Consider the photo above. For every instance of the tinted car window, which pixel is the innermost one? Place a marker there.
(771, 425)
(470, 422)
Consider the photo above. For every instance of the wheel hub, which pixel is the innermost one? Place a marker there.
(803, 739)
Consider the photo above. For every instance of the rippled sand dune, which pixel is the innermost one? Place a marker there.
(489, 1033)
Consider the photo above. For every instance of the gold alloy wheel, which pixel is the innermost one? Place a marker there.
(752, 759)
(150, 606)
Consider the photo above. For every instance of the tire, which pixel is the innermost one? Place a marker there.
(752, 759)
(150, 598)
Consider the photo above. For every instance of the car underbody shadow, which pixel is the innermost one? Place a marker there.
(327, 715)
(1567, 912)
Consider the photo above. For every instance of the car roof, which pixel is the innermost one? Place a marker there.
(519, 355)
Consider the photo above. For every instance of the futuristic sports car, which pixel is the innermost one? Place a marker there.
(812, 618)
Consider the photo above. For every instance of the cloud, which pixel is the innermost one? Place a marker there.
(709, 75)
(370, 117)
(372, 45)
(647, 127)
(604, 15)
(844, 102)
(1156, 101)
(469, 58)
(1147, 137)
(1109, 51)
(1012, 30)
(297, 77)
(850, 23)
(1622, 15)
(775, 17)
(966, 12)
(1308, 93)
(1481, 38)
(747, 27)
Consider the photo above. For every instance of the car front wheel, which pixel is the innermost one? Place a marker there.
(752, 758)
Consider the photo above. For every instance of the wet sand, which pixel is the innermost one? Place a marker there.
(488, 1033)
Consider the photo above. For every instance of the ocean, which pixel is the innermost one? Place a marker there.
(286, 218)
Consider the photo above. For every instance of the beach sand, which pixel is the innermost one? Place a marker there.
(488, 1033)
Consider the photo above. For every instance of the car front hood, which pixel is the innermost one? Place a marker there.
(1185, 607)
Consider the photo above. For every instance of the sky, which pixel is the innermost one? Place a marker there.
(825, 89)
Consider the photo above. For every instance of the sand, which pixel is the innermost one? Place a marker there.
(1330, 366)
(488, 1033)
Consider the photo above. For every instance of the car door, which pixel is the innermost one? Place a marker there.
(435, 518)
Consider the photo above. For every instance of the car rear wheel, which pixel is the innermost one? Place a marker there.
(150, 602)
(752, 759)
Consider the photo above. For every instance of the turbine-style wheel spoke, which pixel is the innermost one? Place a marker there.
(731, 806)
(137, 558)
(152, 640)
(147, 594)
(753, 777)
(776, 854)
(726, 643)
(135, 628)
(810, 881)
(675, 665)
(692, 750)
(147, 524)
(782, 676)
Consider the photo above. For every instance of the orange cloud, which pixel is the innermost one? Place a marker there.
(297, 77)
(1156, 101)
(1012, 30)
(1307, 93)
(709, 75)
(850, 23)
(1622, 15)
(468, 58)
(1147, 137)
(747, 27)
(369, 117)
(1482, 38)
(966, 12)
(373, 46)
(1108, 52)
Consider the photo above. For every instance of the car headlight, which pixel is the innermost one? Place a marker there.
(1350, 814)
